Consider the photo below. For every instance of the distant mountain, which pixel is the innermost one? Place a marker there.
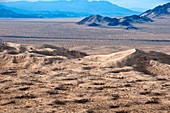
(78, 6)
(158, 12)
(9, 12)
(127, 21)
(4, 13)
(98, 20)
(15, 9)
(136, 19)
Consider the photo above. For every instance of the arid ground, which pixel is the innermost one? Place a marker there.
(38, 75)
(92, 40)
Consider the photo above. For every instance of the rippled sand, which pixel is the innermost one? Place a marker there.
(50, 79)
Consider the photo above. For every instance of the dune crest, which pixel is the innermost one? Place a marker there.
(24, 56)
(53, 79)
(147, 62)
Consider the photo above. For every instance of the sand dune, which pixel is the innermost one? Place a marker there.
(50, 79)
(151, 63)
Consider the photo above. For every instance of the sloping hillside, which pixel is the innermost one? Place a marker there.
(158, 12)
(98, 20)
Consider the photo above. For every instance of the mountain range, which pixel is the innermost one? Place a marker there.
(127, 21)
(4, 13)
(73, 8)
(158, 12)
(10, 12)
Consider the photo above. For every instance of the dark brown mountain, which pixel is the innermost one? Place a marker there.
(136, 19)
(158, 12)
(98, 20)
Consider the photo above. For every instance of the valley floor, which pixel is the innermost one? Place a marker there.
(92, 40)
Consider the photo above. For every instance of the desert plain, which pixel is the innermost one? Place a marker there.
(57, 66)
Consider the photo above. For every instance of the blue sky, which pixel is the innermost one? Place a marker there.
(131, 4)
(139, 3)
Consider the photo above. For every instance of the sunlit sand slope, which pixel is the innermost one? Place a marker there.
(50, 79)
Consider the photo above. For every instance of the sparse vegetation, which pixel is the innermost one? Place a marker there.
(68, 82)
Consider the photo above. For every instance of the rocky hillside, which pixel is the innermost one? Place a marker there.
(158, 12)
(127, 21)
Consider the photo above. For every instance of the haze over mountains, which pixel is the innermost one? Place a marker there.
(79, 7)
(98, 20)
(5, 12)
(73, 8)
(8, 13)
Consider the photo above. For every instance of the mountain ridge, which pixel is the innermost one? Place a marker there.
(158, 12)
(78, 6)
(127, 21)
(5, 12)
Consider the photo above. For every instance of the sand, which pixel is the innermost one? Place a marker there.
(51, 79)
(104, 70)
